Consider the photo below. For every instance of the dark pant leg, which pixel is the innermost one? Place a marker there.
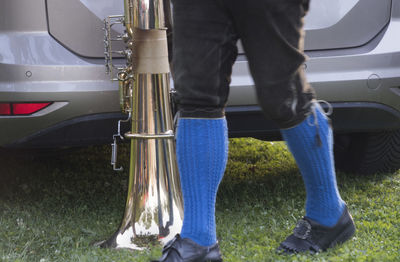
(272, 36)
(204, 51)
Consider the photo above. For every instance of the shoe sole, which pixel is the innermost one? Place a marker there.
(212, 260)
(345, 235)
(206, 259)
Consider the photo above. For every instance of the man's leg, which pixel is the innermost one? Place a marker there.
(204, 52)
(311, 144)
(275, 56)
(327, 221)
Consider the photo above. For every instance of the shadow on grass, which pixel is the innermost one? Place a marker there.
(256, 170)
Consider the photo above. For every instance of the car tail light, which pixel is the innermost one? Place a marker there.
(5, 109)
(15, 109)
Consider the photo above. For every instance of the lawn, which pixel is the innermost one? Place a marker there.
(53, 208)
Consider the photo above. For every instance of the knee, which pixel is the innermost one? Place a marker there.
(199, 111)
(282, 112)
(288, 107)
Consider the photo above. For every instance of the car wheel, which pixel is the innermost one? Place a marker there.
(368, 153)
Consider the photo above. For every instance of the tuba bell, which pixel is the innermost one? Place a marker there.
(154, 206)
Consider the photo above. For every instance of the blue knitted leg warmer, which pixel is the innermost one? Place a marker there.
(202, 152)
(311, 144)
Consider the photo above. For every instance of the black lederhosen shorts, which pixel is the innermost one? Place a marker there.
(205, 34)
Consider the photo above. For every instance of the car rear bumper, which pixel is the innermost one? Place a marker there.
(242, 120)
(346, 118)
(79, 131)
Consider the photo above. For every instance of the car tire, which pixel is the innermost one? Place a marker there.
(368, 153)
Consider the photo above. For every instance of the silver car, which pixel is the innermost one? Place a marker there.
(54, 91)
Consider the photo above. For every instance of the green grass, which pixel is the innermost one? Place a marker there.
(54, 208)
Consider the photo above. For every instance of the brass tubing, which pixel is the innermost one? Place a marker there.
(154, 205)
(167, 135)
(144, 14)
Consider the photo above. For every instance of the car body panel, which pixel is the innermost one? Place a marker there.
(12, 11)
(368, 74)
(345, 23)
(71, 22)
(37, 67)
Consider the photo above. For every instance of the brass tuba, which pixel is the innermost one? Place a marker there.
(154, 207)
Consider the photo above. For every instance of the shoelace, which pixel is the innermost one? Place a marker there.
(314, 105)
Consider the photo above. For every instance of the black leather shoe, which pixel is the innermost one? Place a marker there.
(310, 236)
(185, 250)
